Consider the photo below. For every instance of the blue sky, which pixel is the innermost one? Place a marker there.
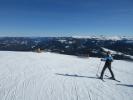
(66, 17)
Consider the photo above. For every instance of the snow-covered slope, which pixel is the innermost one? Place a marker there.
(49, 76)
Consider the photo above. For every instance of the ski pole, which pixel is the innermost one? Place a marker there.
(98, 68)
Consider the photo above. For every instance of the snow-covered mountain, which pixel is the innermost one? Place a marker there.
(79, 46)
(51, 76)
(102, 37)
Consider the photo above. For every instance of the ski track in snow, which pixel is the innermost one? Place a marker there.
(50, 76)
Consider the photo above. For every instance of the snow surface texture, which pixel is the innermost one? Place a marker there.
(50, 76)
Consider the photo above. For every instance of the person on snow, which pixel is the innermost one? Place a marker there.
(108, 60)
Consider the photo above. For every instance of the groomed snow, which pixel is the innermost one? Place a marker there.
(50, 76)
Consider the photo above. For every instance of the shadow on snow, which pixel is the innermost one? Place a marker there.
(75, 75)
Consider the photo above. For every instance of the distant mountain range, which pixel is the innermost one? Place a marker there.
(102, 37)
(94, 46)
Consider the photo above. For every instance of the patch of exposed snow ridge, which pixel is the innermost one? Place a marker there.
(115, 52)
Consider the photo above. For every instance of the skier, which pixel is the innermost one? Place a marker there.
(108, 60)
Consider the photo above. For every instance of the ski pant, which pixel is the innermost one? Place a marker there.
(104, 68)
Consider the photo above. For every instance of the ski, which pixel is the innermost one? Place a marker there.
(112, 79)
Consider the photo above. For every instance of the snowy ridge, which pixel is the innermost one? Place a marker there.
(115, 52)
(112, 51)
(50, 76)
(101, 37)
